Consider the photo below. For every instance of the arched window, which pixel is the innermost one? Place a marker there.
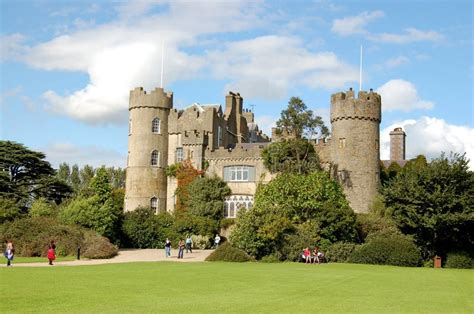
(233, 203)
(155, 126)
(155, 158)
(154, 204)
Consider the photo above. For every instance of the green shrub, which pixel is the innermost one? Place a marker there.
(460, 260)
(340, 252)
(368, 224)
(227, 253)
(387, 249)
(272, 258)
(143, 229)
(227, 222)
(186, 223)
(306, 234)
(9, 210)
(43, 208)
(32, 235)
(201, 242)
(98, 246)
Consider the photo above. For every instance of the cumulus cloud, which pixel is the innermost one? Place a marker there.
(401, 95)
(355, 24)
(126, 53)
(431, 136)
(265, 66)
(57, 153)
(408, 36)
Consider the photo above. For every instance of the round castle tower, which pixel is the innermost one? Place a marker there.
(355, 150)
(147, 149)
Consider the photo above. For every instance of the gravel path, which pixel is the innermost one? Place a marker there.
(127, 256)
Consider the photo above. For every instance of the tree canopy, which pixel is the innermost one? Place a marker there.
(434, 202)
(25, 175)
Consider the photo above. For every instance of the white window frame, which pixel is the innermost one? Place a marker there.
(239, 173)
(155, 204)
(234, 203)
(179, 154)
(156, 126)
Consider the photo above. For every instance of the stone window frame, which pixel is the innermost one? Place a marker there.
(155, 204)
(156, 126)
(129, 126)
(155, 158)
(233, 203)
(342, 142)
(239, 173)
(179, 154)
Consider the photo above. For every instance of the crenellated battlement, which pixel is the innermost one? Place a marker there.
(239, 151)
(367, 106)
(157, 98)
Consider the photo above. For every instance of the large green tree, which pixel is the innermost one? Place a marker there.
(206, 197)
(298, 121)
(434, 202)
(25, 175)
(295, 204)
(295, 153)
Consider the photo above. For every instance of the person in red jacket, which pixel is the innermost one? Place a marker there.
(51, 252)
(307, 255)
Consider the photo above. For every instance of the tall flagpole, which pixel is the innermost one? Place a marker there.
(162, 61)
(360, 70)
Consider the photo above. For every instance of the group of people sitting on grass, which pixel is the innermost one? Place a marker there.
(312, 257)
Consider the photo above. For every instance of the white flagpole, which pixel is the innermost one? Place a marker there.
(162, 61)
(360, 70)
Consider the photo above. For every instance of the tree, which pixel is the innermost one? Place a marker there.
(285, 204)
(206, 197)
(296, 155)
(298, 121)
(435, 204)
(27, 176)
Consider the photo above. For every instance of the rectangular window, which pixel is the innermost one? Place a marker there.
(376, 144)
(239, 173)
(342, 142)
(219, 136)
(179, 154)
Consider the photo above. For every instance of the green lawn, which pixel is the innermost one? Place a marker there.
(167, 287)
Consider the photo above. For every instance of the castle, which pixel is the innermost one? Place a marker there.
(230, 143)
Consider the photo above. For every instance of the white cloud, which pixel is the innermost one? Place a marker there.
(410, 35)
(266, 66)
(401, 95)
(396, 62)
(12, 46)
(355, 24)
(431, 136)
(57, 153)
(266, 123)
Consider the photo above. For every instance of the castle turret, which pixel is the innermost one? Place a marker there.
(397, 144)
(355, 145)
(147, 149)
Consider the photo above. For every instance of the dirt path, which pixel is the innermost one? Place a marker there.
(127, 256)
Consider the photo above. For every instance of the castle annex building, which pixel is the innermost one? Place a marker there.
(229, 142)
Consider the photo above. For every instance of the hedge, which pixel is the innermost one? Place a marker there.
(227, 253)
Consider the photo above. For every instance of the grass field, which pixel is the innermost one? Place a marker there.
(167, 287)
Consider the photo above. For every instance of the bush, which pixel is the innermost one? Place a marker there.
(98, 246)
(307, 234)
(368, 224)
(43, 208)
(9, 210)
(340, 252)
(387, 249)
(272, 258)
(460, 260)
(201, 242)
(186, 223)
(32, 235)
(227, 222)
(143, 229)
(227, 253)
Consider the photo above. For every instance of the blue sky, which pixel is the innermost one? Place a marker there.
(67, 67)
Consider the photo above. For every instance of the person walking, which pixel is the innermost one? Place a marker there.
(217, 240)
(9, 253)
(189, 244)
(167, 248)
(51, 253)
(180, 248)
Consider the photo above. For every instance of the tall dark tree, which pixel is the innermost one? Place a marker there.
(435, 204)
(25, 175)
